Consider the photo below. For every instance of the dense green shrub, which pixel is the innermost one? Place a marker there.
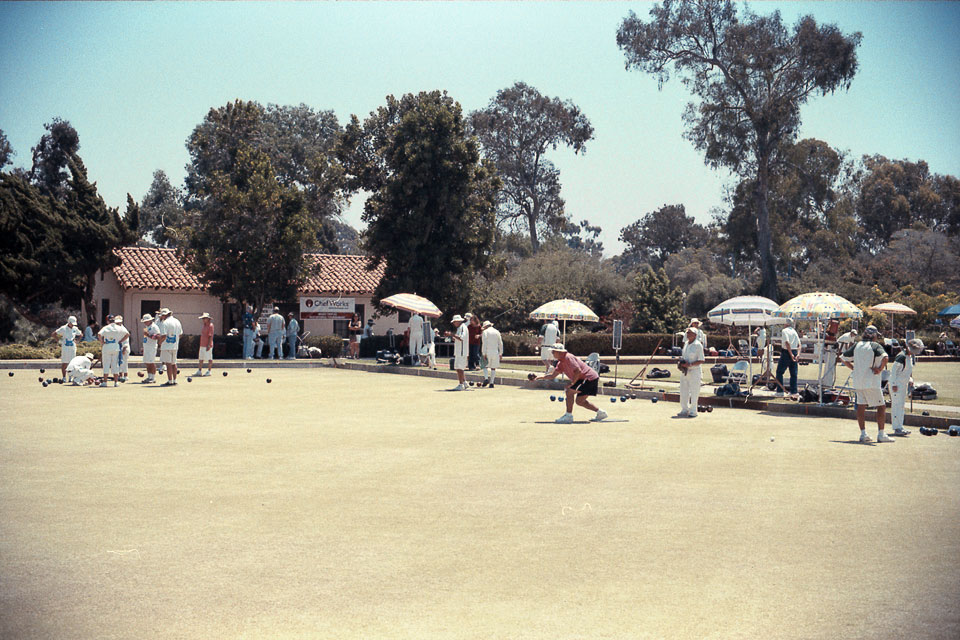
(16, 351)
(330, 346)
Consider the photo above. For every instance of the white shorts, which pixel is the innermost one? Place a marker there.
(149, 355)
(111, 362)
(872, 397)
(206, 354)
(124, 360)
(168, 356)
(67, 354)
(546, 354)
(460, 362)
(493, 360)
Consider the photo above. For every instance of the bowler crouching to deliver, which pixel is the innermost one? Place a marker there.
(583, 383)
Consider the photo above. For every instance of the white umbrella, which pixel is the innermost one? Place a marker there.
(413, 303)
(746, 311)
(564, 309)
(955, 323)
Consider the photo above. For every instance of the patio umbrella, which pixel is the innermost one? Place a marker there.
(413, 303)
(952, 310)
(816, 306)
(564, 309)
(955, 323)
(892, 309)
(746, 311)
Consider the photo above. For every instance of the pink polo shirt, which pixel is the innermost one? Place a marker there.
(206, 336)
(575, 368)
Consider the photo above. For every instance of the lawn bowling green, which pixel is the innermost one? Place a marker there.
(342, 504)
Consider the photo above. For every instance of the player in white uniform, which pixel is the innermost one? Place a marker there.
(68, 335)
(549, 335)
(690, 374)
(80, 370)
(491, 349)
(150, 333)
(900, 383)
(169, 344)
(461, 350)
(868, 360)
(275, 334)
(416, 335)
(111, 338)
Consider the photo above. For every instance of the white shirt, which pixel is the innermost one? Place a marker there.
(172, 329)
(80, 362)
(866, 355)
(150, 341)
(416, 327)
(692, 352)
(790, 339)
(462, 346)
(113, 334)
(275, 323)
(761, 338)
(293, 327)
(492, 342)
(551, 334)
(68, 335)
(900, 373)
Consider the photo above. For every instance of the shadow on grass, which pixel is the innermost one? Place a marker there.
(857, 442)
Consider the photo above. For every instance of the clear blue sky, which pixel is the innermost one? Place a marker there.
(135, 78)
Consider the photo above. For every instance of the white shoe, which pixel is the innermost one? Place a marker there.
(601, 415)
(566, 418)
(459, 387)
(682, 414)
(882, 437)
(103, 385)
(864, 437)
(197, 373)
(206, 374)
(901, 432)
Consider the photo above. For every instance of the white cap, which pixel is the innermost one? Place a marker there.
(457, 318)
(72, 320)
(118, 319)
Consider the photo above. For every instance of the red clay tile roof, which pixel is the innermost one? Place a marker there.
(343, 274)
(145, 268)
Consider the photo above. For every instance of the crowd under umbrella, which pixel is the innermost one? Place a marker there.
(746, 311)
(816, 307)
(893, 309)
(564, 309)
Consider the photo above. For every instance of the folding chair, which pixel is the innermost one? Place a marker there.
(738, 373)
(593, 361)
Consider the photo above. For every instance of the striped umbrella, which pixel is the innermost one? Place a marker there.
(413, 303)
(819, 305)
(894, 308)
(744, 311)
(564, 309)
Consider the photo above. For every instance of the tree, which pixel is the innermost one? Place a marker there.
(546, 276)
(811, 212)
(6, 151)
(250, 239)
(430, 216)
(659, 234)
(898, 194)
(298, 141)
(161, 212)
(751, 77)
(51, 157)
(516, 130)
(659, 307)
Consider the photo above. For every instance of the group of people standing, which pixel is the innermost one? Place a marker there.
(483, 352)
(273, 335)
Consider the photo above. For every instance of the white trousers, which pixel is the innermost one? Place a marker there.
(416, 342)
(690, 390)
(898, 401)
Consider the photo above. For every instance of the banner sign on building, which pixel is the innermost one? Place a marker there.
(313, 307)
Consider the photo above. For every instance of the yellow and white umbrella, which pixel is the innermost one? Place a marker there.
(413, 303)
(819, 305)
(564, 309)
(893, 309)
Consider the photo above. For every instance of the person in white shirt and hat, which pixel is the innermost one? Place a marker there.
(150, 333)
(868, 359)
(111, 337)
(900, 382)
(491, 349)
(124, 360)
(789, 357)
(80, 370)
(461, 350)
(68, 335)
(169, 344)
(690, 374)
(701, 336)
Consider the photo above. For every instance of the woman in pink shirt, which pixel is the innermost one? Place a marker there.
(206, 346)
(583, 383)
